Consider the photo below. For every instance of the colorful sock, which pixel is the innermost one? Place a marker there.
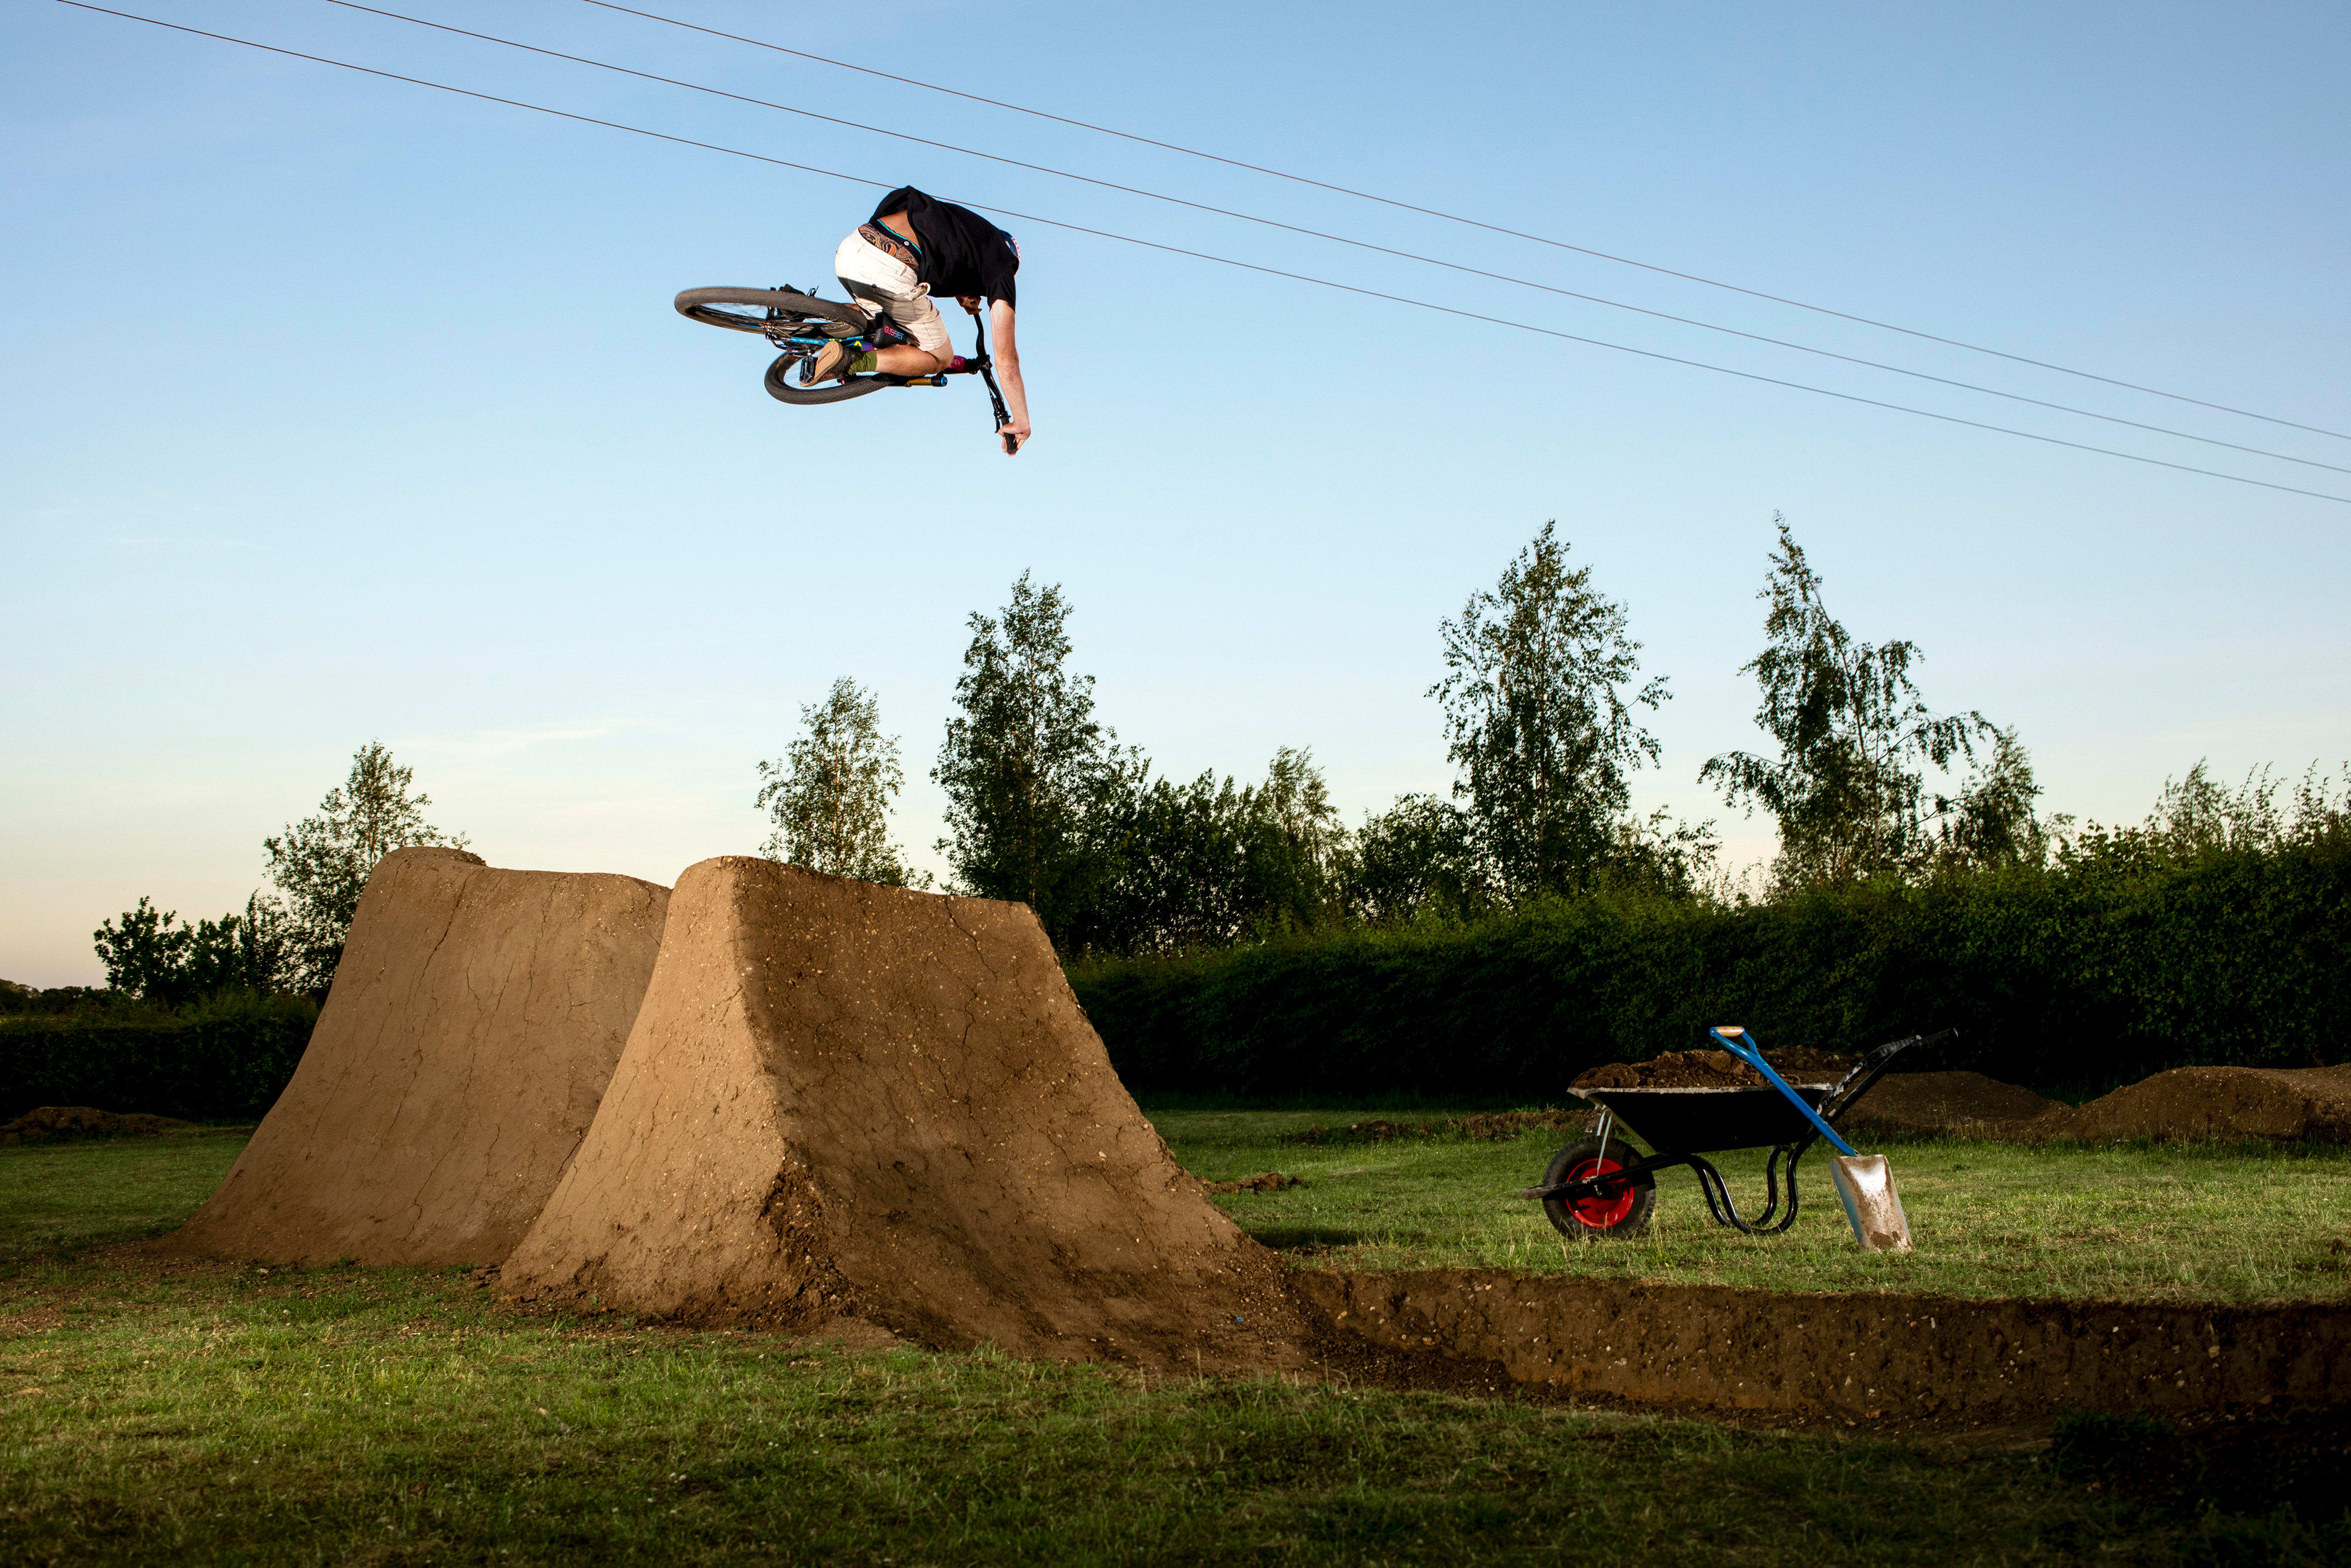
(862, 365)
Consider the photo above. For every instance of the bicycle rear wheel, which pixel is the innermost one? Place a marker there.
(747, 310)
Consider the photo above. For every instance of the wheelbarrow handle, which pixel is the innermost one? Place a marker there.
(1872, 1066)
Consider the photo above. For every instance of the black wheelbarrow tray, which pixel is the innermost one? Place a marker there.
(1600, 1186)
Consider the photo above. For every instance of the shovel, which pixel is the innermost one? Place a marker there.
(1864, 1183)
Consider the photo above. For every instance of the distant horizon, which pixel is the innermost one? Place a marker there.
(347, 409)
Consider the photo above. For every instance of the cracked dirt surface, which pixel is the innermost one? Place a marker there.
(846, 1101)
(474, 1023)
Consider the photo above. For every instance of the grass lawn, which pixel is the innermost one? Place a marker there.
(230, 1414)
(2242, 1222)
(55, 1196)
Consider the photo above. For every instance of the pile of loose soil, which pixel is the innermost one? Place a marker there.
(61, 1124)
(2283, 1102)
(846, 1101)
(1272, 1181)
(1715, 1070)
(1956, 1104)
(1497, 1126)
(474, 1023)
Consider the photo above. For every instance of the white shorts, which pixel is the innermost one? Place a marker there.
(880, 281)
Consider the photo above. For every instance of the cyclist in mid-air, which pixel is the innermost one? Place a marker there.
(913, 248)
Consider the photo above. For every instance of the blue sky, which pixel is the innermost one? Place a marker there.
(341, 409)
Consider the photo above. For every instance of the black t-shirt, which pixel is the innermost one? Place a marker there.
(963, 253)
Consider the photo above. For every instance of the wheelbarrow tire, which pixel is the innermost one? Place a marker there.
(1616, 1214)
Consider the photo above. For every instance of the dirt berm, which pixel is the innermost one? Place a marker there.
(2286, 1102)
(474, 1022)
(844, 1102)
(1954, 1105)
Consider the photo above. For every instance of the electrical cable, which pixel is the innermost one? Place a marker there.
(1222, 260)
(1339, 239)
(1471, 223)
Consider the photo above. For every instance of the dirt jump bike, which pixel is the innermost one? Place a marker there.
(799, 324)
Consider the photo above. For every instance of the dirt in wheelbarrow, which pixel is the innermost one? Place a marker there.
(1714, 1069)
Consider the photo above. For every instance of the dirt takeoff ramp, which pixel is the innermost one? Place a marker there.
(850, 1102)
(473, 1025)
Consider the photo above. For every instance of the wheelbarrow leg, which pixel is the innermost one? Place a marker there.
(1719, 1204)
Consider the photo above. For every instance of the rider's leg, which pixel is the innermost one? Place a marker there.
(908, 361)
(885, 285)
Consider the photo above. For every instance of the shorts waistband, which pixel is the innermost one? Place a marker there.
(883, 240)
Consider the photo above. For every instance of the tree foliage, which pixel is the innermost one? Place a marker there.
(1849, 787)
(1418, 858)
(830, 797)
(1539, 702)
(1031, 779)
(1210, 863)
(2197, 817)
(321, 864)
(151, 957)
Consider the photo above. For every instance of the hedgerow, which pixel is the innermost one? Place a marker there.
(2071, 978)
(222, 1060)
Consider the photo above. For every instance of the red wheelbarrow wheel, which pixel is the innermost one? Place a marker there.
(1620, 1211)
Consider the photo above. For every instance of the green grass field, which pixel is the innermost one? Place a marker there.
(227, 1414)
(2242, 1222)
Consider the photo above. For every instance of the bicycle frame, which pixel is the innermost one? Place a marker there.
(804, 338)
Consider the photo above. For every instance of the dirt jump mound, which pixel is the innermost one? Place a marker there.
(843, 1101)
(2284, 1103)
(1951, 1104)
(69, 1124)
(474, 1023)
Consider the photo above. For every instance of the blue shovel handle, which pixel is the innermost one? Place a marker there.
(1741, 1044)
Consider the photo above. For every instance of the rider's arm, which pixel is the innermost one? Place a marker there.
(1006, 354)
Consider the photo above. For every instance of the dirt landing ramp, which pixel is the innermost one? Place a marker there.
(2288, 1103)
(473, 1025)
(843, 1100)
(1862, 1356)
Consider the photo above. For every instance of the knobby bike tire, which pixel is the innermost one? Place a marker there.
(700, 305)
(783, 389)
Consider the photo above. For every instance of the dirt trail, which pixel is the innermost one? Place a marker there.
(843, 1101)
(1860, 1355)
(473, 1025)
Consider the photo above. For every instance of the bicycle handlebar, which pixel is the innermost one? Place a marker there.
(987, 369)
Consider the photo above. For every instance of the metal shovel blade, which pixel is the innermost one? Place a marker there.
(1865, 1185)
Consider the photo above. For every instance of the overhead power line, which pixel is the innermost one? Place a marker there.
(1339, 239)
(1472, 223)
(1221, 260)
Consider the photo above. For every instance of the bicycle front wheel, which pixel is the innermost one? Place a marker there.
(783, 388)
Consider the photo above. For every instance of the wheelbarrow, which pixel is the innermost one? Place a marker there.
(1601, 1187)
